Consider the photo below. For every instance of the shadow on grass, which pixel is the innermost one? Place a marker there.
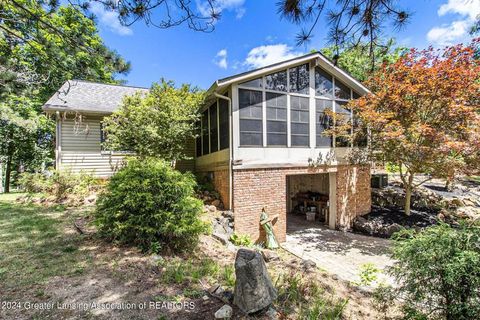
(34, 246)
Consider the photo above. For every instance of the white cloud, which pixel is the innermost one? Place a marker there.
(221, 5)
(221, 59)
(456, 30)
(470, 8)
(269, 54)
(447, 34)
(109, 19)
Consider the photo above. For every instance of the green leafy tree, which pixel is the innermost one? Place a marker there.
(438, 272)
(25, 135)
(40, 48)
(358, 60)
(156, 124)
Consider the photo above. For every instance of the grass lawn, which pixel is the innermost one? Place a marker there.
(33, 245)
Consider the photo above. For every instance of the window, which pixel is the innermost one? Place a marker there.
(323, 122)
(323, 83)
(276, 81)
(213, 128)
(198, 141)
(255, 83)
(299, 81)
(251, 127)
(344, 117)
(224, 123)
(276, 119)
(299, 115)
(205, 140)
(341, 90)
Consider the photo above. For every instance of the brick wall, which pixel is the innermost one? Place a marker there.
(221, 183)
(258, 188)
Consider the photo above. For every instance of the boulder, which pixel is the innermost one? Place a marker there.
(308, 265)
(224, 312)
(216, 203)
(391, 229)
(270, 255)
(254, 290)
(363, 225)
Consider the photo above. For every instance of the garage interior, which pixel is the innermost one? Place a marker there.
(309, 201)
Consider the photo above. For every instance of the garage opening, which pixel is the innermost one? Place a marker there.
(309, 201)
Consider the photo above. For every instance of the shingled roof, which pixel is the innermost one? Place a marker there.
(85, 96)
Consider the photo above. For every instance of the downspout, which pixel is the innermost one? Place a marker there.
(58, 144)
(230, 161)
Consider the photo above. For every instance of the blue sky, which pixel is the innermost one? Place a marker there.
(251, 34)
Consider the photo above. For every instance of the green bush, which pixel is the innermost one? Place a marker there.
(151, 205)
(438, 270)
(60, 184)
(33, 182)
(242, 240)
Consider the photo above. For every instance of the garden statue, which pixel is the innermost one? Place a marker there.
(266, 222)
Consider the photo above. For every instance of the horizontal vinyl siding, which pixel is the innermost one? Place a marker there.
(81, 149)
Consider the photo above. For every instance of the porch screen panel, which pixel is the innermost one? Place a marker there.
(205, 139)
(299, 79)
(198, 147)
(299, 115)
(213, 128)
(344, 117)
(250, 109)
(323, 122)
(276, 119)
(224, 123)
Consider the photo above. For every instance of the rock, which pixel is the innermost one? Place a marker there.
(212, 208)
(157, 258)
(272, 313)
(224, 312)
(228, 214)
(391, 229)
(441, 217)
(254, 290)
(455, 202)
(363, 225)
(270, 255)
(308, 265)
(223, 238)
(216, 203)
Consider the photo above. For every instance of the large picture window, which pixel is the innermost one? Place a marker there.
(251, 127)
(224, 123)
(323, 122)
(213, 128)
(276, 119)
(299, 115)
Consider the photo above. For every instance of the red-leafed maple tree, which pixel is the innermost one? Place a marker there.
(424, 114)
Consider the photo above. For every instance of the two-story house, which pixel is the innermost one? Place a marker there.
(258, 131)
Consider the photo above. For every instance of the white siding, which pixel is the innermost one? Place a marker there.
(81, 148)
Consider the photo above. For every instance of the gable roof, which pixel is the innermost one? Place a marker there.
(91, 97)
(320, 59)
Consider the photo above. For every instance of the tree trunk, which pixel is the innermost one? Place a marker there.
(408, 194)
(8, 173)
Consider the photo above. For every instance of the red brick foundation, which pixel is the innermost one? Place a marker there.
(221, 183)
(255, 189)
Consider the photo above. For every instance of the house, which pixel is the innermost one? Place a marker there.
(259, 132)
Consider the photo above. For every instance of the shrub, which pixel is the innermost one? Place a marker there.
(60, 183)
(242, 240)
(299, 293)
(33, 182)
(438, 270)
(151, 205)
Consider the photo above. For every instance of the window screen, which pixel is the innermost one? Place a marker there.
(224, 123)
(341, 90)
(276, 81)
(299, 117)
(344, 117)
(323, 122)
(213, 128)
(205, 147)
(323, 83)
(299, 78)
(276, 119)
(251, 127)
(255, 83)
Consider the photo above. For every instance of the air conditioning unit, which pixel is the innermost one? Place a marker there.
(379, 180)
